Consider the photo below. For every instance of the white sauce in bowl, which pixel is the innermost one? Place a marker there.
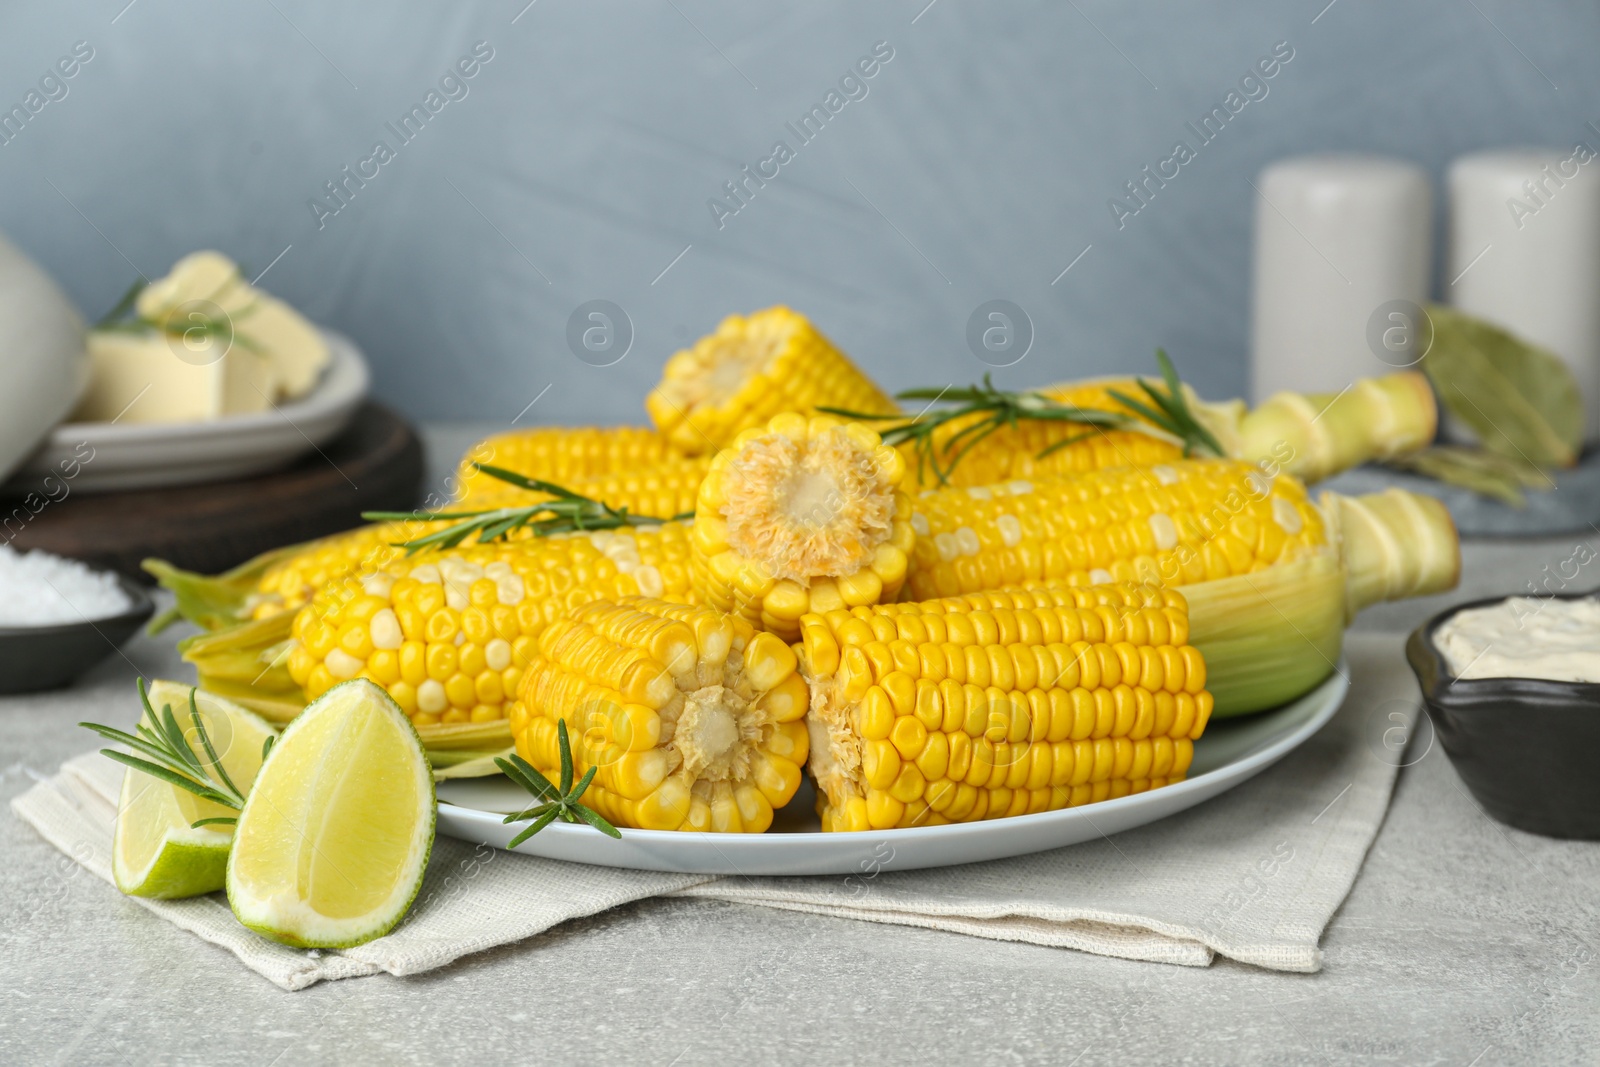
(1524, 637)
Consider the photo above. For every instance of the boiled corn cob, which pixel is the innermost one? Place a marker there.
(1309, 436)
(1271, 578)
(999, 704)
(562, 454)
(752, 368)
(284, 579)
(694, 720)
(1178, 523)
(447, 633)
(800, 515)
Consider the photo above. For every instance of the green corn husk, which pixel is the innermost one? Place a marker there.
(1271, 636)
(248, 663)
(211, 602)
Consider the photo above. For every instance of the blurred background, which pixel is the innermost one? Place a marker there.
(577, 164)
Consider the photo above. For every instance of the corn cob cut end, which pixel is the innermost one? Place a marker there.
(751, 368)
(801, 515)
(1395, 544)
(997, 704)
(692, 719)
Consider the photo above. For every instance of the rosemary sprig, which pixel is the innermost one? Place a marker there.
(567, 512)
(1172, 412)
(121, 320)
(559, 803)
(172, 758)
(996, 408)
(991, 409)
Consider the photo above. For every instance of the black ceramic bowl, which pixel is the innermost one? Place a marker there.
(1524, 746)
(33, 658)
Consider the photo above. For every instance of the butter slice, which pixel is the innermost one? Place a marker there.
(295, 347)
(140, 377)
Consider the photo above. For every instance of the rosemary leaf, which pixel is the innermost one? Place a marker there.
(211, 753)
(593, 818)
(583, 784)
(566, 757)
(205, 792)
(123, 306)
(539, 824)
(527, 776)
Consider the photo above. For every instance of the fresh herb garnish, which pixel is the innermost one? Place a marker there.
(990, 409)
(1172, 412)
(175, 760)
(192, 326)
(558, 803)
(569, 511)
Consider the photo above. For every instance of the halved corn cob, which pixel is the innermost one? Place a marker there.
(999, 704)
(752, 368)
(562, 454)
(1177, 523)
(800, 515)
(694, 720)
(447, 633)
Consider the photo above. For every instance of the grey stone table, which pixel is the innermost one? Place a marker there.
(1462, 943)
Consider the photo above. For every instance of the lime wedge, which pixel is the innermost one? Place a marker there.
(334, 838)
(155, 851)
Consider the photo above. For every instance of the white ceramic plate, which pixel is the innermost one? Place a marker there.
(1228, 753)
(151, 454)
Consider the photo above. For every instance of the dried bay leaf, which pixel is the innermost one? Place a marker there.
(1520, 399)
(1477, 469)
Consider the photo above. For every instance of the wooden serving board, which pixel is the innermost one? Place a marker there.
(374, 465)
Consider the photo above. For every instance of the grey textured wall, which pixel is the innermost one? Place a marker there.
(580, 160)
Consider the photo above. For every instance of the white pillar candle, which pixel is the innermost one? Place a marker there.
(1343, 244)
(1525, 253)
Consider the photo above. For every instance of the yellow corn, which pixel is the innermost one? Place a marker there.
(662, 490)
(284, 579)
(1310, 436)
(752, 368)
(800, 515)
(562, 455)
(694, 720)
(290, 584)
(1012, 452)
(1176, 523)
(999, 704)
(448, 633)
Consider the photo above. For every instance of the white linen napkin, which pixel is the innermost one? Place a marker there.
(1254, 875)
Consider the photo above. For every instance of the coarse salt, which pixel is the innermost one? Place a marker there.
(41, 589)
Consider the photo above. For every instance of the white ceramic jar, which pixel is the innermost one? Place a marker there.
(1343, 245)
(1525, 252)
(43, 365)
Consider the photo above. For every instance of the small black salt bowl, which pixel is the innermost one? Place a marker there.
(35, 658)
(1524, 746)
